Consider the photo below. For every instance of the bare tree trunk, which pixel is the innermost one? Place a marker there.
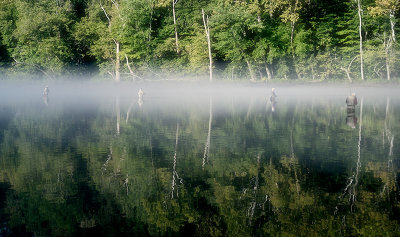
(175, 27)
(250, 70)
(117, 65)
(291, 34)
(36, 66)
(387, 67)
(129, 67)
(207, 30)
(361, 39)
(392, 25)
(347, 70)
(269, 75)
(347, 74)
(388, 46)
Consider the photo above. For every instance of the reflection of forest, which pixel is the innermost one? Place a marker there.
(215, 170)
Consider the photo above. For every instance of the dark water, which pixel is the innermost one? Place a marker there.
(188, 160)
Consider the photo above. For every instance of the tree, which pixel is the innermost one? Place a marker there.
(207, 32)
(38, 35)
(235, 28)
(387, 8)
(101, 31)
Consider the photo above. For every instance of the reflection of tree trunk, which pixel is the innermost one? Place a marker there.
(253, 203)
(292, 157)
(126, 184)
(129, 111)
(390, 138)
(175, 175)
(109, 157)
(118, 114)
(207, 146)
(151, 151)
(386, 114)
(353, 180)
(250, 107)
(358, 167)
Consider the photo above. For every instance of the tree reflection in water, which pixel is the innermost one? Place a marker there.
(67, 170)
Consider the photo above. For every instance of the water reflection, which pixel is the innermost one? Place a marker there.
(200, 165)
(45, 95)
(140, 97)
(272, 99)
(46, 100)
(208, 141)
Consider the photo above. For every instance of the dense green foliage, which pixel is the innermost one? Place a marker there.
(255, 39)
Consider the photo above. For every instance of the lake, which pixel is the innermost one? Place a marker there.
(194, 159)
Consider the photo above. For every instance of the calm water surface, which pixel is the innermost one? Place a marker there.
(195, 160)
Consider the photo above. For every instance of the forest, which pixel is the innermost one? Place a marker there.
(255, 40)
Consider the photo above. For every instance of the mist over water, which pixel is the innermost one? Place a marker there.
(185, 92)
(198, 158)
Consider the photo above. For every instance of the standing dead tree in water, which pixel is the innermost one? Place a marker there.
(175, 176)
(207, 146)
